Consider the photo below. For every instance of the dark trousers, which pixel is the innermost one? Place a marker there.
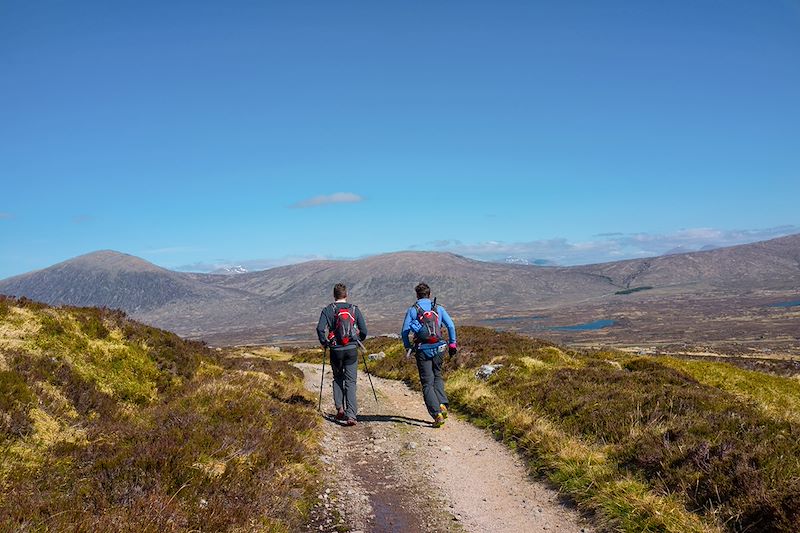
(430, 376)
(344, 363)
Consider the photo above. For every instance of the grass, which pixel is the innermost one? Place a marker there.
(109, 425)
(647, 444)
(778, 396)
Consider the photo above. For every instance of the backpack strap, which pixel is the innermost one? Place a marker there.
(346, 305)
(420, 310)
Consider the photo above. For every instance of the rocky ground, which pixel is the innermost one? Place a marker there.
(394, 472)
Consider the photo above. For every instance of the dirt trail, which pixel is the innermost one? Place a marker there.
(394, 472)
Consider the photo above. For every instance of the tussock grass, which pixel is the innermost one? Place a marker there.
(110, 425)
(579, 469)
(16, 403)
(647, 444)
(778, 396)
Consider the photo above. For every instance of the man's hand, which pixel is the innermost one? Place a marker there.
(452, 349)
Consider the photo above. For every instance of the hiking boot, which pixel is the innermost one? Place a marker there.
(340, 414)
(439, 421)
(351, 422)
(443, 410)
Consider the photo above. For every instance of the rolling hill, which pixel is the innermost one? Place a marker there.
(283, 303)
(110, 425)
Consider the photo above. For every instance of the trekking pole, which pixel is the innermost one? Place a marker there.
(364, 357)
(322, 379)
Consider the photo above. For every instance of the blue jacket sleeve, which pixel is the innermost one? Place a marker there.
(407, 329)
(448, 322)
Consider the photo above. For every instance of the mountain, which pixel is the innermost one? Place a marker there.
(511, 260)
(228, 270)
(109, 279)
(184, 302)
(773, 264)
(283, 303)
(522, 261)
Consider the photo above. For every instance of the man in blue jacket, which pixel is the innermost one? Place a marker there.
(424, 319)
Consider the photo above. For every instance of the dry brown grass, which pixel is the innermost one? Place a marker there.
(645, 446)
(188, 441)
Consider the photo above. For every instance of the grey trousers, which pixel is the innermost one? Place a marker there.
(430, 376)
(344, 364)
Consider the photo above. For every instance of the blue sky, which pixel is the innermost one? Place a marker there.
(197, 134)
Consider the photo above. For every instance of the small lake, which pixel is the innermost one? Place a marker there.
(793, 303)
(597, 324)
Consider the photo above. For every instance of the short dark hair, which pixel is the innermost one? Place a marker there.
(423, 291)
(339, 291)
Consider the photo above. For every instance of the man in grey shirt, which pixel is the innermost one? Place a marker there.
(341, 326)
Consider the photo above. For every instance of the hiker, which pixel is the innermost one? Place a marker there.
(341, 327)
(424, 319)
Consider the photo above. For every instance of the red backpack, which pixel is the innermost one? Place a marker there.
(344, 326)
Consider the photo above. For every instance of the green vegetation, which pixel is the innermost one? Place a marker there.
(778, 396)
(648, 444)
(108, 425)
(634, 289)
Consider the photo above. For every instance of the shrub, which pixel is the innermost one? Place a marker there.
(642, 443)
(16, 401)
(91, 323)
(82, 393)
(218, 448)
(223, 453)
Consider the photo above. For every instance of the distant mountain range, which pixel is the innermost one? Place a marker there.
(228, 270)
(284, 302)
(511, 260)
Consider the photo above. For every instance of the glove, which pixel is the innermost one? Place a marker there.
(452, 349)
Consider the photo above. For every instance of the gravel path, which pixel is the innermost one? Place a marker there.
(393, 472)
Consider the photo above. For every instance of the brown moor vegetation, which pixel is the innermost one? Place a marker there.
(645, 443)
(109, 425)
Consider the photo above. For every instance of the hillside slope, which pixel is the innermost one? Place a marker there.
(773, 264)
(647, 443)
(115, 280)
(283, 303)
(110, 425)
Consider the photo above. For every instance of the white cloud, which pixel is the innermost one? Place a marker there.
(6, 216)
(610, 246)
(335, 198)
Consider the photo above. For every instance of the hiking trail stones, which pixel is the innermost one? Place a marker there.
(487, 370)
